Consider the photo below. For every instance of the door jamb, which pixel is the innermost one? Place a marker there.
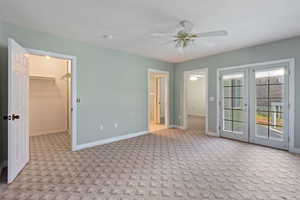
(205, 71)
(73, 83)
(291, 67)
(167, 96)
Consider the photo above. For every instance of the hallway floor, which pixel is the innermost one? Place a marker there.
(196, 123)
(156, 127)
(169, 164)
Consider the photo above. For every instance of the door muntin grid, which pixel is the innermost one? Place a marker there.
(269, 103)
(233, 101)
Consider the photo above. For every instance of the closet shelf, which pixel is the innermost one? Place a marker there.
(45, 78)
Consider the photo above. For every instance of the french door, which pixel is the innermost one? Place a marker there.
(234, 95)
(269, 106)
(254, 105)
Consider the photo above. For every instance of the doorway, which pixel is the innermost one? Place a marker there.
(49, 96)
(20, 96)
(195, 101)
(255, 103)
(69, 77)
(158, 100)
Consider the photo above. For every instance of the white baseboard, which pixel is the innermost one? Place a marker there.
(214, 134)
(295, 150)
(176, 126)
(195, 115)
(109, 140)
(180, 127)
(3, 164)
(49, 132)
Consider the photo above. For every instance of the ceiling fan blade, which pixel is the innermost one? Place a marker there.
(167, 42)
(160, 34)
(212, 34)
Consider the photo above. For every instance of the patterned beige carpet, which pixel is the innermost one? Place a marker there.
(170, 164)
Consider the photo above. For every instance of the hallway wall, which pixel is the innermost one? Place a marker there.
(196, 97)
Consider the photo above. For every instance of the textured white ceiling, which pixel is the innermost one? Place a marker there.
(131, 22)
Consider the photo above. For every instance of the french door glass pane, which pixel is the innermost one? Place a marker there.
(269, 103)
(238, 115)
(227, 125)
(233, 101)
(228, 115)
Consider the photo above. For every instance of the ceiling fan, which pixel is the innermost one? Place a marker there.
(184, 37)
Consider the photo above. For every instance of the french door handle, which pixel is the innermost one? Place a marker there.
(14, 116)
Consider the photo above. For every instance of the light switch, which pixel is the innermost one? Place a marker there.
(211, 99)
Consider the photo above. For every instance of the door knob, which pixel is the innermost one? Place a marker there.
(7, 117)
(14, 116)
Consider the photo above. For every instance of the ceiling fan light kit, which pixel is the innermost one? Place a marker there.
(185, 38)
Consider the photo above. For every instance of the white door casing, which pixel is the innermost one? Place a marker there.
(166, 97)
(18, 126)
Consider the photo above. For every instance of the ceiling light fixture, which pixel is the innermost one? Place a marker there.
(47, 57)
(106, 36)
(195, 77)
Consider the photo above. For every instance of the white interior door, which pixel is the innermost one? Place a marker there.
(162, 97)
(158, 98)
(18, 130)
(234, 104)
(269, 106)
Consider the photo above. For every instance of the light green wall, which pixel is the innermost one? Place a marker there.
(273, 51)
(112, 85)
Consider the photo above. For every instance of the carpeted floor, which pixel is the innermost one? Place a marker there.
(169, 164)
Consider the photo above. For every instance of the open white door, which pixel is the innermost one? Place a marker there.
(18, 130)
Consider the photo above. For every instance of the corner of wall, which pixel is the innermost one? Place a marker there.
(4, 94)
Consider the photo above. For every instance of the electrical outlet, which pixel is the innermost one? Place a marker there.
(116, 125)
(101, 127)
